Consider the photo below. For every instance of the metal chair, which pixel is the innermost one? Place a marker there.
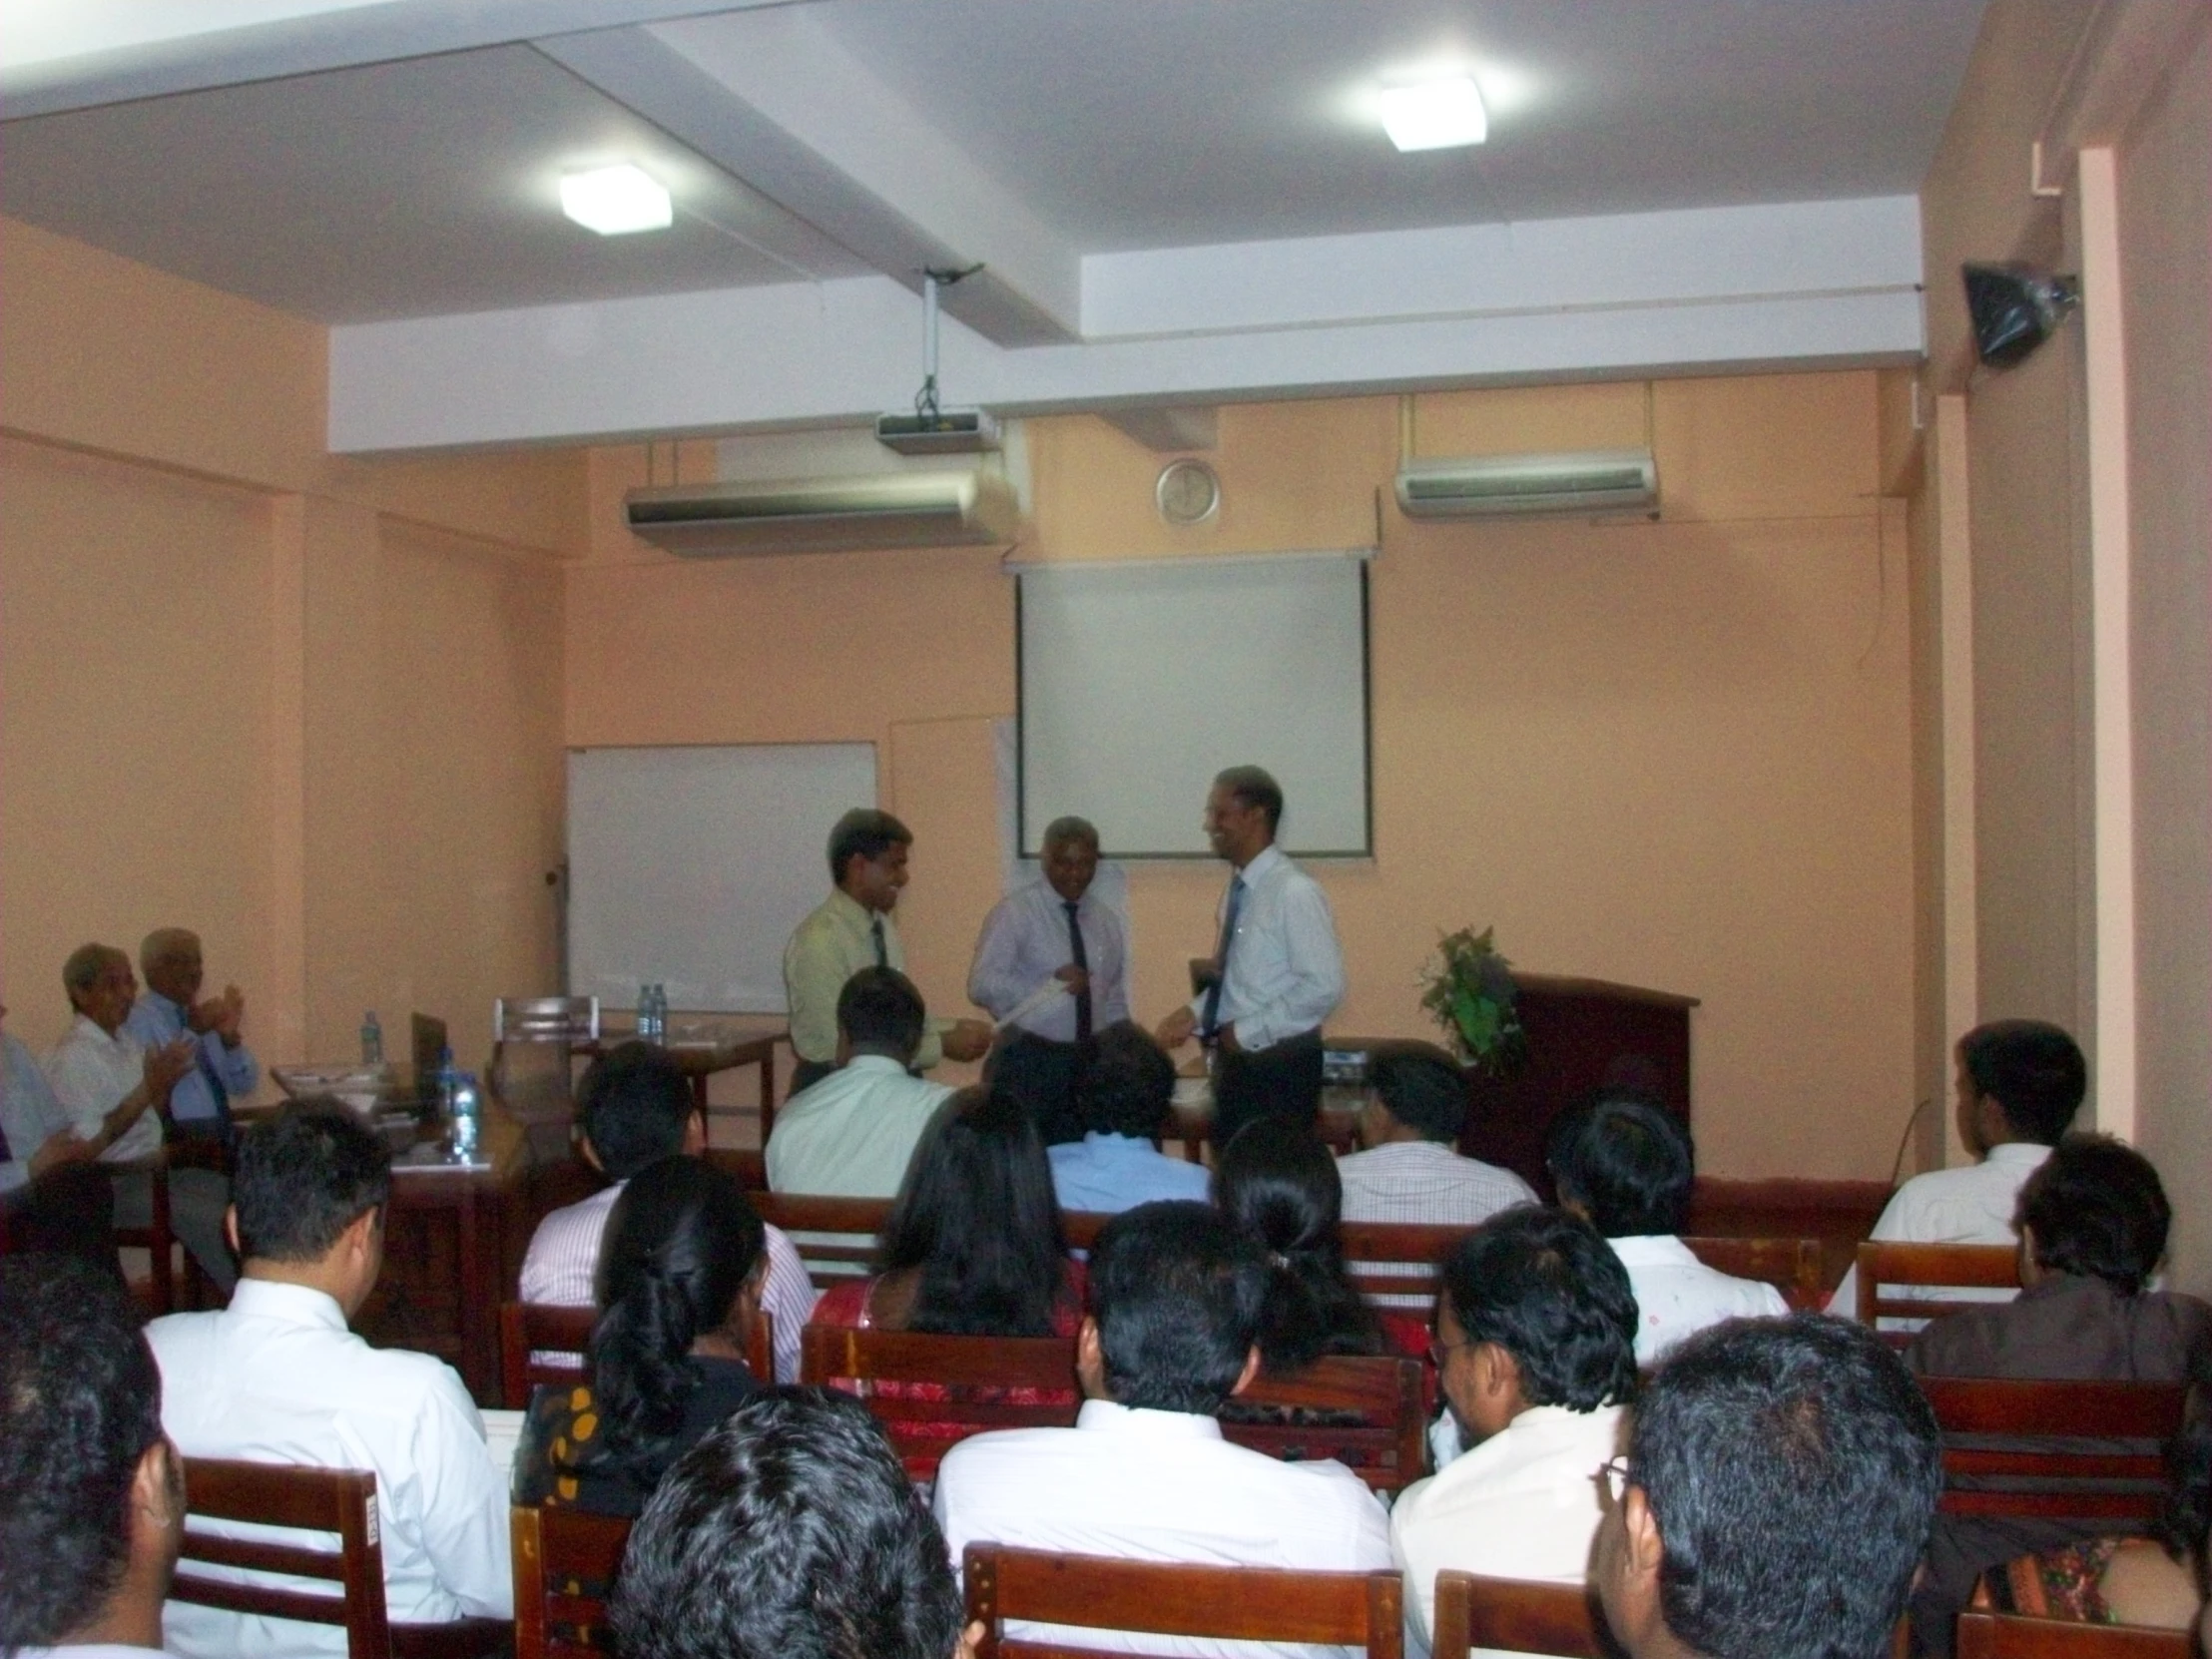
(535, 1042)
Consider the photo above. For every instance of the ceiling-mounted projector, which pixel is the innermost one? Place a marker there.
(2015, 309)
(939, 432)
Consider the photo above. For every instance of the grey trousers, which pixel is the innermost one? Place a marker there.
(197, 1200)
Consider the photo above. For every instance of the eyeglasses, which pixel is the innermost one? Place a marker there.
(1439, 1353)
(1613, 1477)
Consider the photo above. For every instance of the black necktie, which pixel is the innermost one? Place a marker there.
(882, 951)
(1211, 1023)
(1075, 951)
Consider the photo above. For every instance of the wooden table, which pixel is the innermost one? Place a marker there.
(704, 1044)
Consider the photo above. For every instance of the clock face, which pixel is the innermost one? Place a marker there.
(1188, 492)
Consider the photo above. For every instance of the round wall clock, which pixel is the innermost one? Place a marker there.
(1188, 492)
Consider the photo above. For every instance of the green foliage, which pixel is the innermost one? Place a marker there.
(1468, 990)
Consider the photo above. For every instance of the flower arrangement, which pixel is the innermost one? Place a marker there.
(1468, 989)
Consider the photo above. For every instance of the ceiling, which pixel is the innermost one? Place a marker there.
(392, 185)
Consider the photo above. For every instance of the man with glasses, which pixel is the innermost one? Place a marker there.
(1536, 1349)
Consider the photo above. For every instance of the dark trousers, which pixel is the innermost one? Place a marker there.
(69, 1211)
(1278, 1082)
(1042, 1075)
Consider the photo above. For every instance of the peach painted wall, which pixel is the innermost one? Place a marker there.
(1672, 754)
(308, 707)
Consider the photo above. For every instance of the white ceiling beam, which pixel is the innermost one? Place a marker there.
(1170, 429)
(85, 53)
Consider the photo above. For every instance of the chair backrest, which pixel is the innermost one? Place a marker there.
(2002, 1636)
(310, 1499)
(1791, 1266)
(156, 1238)
(1926, 1266)
(1397, 1259)
(1349, 1609)
(835, 1237)
(545, 1019)
(930, 1393)
(539, 1343)
(1364, 1411)
(1513, 1615)
(2066, 1441)
(565, 1562)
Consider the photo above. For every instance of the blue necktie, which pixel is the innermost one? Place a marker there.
(1209, 1024)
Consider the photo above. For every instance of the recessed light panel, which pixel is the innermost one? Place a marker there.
(1436, 115)
(615, 201)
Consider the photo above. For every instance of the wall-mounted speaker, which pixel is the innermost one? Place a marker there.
(2015, 309)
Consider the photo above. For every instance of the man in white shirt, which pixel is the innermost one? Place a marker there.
(92, 1494)
(1536, 1352)
(1278, 970)
(225, 1068)
(1409, 1170)
(277, 1378)
(2018, 1084)
(853, 1134)
(1053, 932)
(1145, 1474)
(1626, 1166)
(115, 1090)
(635, 1107)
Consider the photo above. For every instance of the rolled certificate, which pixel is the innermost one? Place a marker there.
(1031, 1003)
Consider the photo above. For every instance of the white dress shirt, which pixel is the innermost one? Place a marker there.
(91, 1073)
(1285, 971)
(853, 1134)
(1522, 1504)
(1425, 1183)
(1972, 1203)
(277, 1378)
(562, 1263)
(1025, 942)
(1677, 1296)
(1157, 1487)
(30, 1112)
(155, 1021)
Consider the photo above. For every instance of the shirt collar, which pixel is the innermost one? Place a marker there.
(874, 1062)
(293, 1304)
(2018, 1154)
(1262, 861)
(1104, 1416)
(87, 1027)
(163, 1004)
(1652, 1249)
(851, 909)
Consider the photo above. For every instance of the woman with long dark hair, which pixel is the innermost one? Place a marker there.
(1278, 1182)
(679, 1287)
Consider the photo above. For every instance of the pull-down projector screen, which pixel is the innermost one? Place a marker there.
(1140, 681)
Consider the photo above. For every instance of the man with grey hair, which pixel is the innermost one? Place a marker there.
(115, 1090)
(1052, 934)
(1278, 970)
(224, 1068)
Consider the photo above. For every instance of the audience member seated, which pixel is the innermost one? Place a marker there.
(1278, 1184)
(1125, 1094)
(1409, 1171)
(2093, 1221)
(1626, 1166)
(1536, 1347)
(115, 1091)
(2018, 1084)
(680, 1286)
(278, 1378)
(789, 1532)
(1145, 1475)
(92, 1494)
(223, 1069)
(974, 1246)
(1778, 1485)
(853, 1134)
(634, 1108)
(54, 1193)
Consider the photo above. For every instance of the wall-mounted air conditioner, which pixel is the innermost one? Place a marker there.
(1483, 486)
(828, 515)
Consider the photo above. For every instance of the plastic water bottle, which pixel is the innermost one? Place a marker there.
(644, 1011)
(467, 1115)
(660, 1013)
(372, 1040)
(442, 1082)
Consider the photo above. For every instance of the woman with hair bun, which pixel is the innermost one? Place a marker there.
(679, 1288)
(1278, 1182)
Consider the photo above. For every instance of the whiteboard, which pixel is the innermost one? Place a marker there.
(692, 866)
(1140, 681)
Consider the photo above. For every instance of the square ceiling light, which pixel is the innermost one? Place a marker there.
(1436, 115)
(615, 201)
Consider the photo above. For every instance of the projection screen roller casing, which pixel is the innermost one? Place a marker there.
(1140, 681)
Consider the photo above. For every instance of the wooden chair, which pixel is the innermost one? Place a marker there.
(2002, 1636)
(1397, 1259)
(835, 1237)
(530, 1332)
(1351, 1609)
(930, 1393)
(2064, 1441)
(1792, 1265)
(1926, 1266)
(565, 1566)
(312, 1500)
(156, 1239)
(1516, 1615)
(1366, 1412)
